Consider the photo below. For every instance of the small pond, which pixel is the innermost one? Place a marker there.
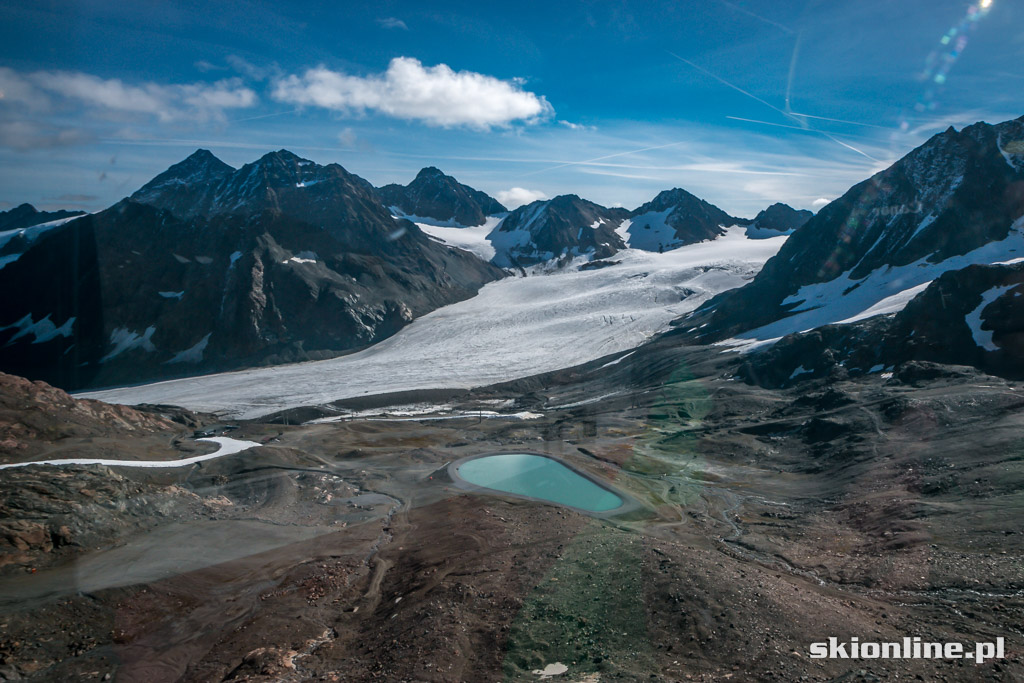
(537, 476)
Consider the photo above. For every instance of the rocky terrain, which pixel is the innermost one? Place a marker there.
(866, 507)
(831, 450)
(559, 228)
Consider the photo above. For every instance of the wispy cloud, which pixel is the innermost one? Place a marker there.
(173, 102)
(575, 126)
(392, 22)
(24, 136)
(435, 95)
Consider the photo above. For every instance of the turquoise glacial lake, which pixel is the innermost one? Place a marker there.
(538, 477)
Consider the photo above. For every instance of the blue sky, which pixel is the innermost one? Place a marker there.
(613, 101)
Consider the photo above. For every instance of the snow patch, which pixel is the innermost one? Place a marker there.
(890, 304)
(472, 239)
(193, 354)
(302, 257)
(43, 330)
(123, 339)
(227, 445)
(983, 338)
(650, 231)
(800, 370)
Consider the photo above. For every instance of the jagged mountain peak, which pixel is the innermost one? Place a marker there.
(282, 156)
(673, 197)
(431, 172)
(564, 226)
(435, 196)
(675, 218)
(778, 219)
(25, 215)
(201, 165)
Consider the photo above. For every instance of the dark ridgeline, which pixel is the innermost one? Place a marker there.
(690, 218)
(432, 194)
(26, 215)
(780, 218)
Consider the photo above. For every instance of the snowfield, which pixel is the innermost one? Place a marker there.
(472, 239)
(513, 328)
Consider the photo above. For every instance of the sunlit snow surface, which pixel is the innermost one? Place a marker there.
(472, 239)
(513, 328)
(885, 290)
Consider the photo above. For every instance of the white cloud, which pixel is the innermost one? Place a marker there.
(436, 95)
(176, 102)
(819, 203)
(392, 22)
(518, 196)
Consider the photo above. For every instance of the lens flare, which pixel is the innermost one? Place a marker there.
(939, 63)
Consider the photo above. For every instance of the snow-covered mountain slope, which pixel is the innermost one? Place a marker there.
(513, 328)
(971, 316)
(886, 289)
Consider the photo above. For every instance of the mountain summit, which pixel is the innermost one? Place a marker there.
(565, 226)
(436, 196)
(675, 218)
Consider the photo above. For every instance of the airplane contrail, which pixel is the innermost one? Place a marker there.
(803, 124)
(608, 156)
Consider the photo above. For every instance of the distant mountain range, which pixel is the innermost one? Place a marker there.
(210, 268)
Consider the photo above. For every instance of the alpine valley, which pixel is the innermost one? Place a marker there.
(812, 421)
